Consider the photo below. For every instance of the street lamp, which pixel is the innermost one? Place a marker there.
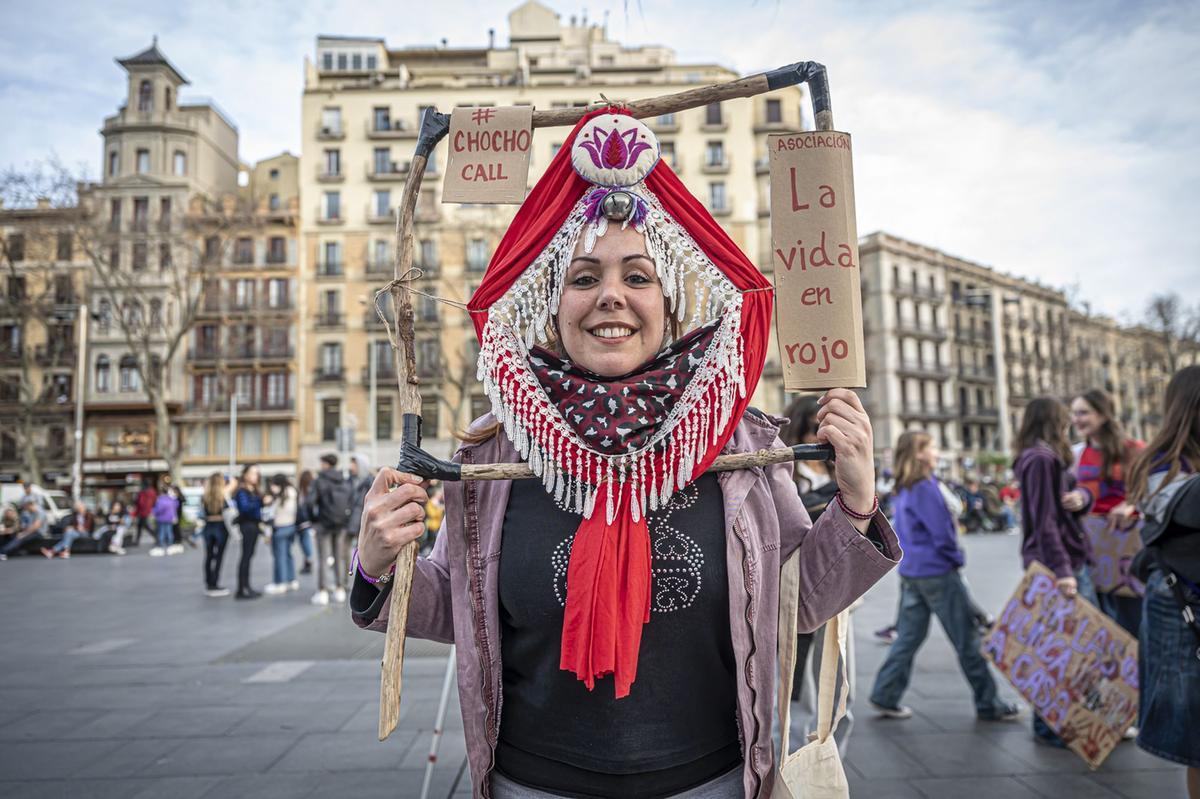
(996, 301)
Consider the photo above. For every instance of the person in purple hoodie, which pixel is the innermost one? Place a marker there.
(1051, 506)
(166, 514)
(930, 585)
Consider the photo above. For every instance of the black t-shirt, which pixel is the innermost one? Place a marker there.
(678, 727)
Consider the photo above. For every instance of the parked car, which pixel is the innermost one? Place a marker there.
(55, 503)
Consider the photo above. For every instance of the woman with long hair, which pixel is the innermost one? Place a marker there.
(1052, 533)
(1164, 482)
(1101, 459)
(305, 518)
(930, 585)
(286, 501)
(249, 501)
(216, 534)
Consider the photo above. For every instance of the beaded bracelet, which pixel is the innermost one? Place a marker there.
(853, 514)
(382, 579)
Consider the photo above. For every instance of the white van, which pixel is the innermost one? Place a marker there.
(55, 503)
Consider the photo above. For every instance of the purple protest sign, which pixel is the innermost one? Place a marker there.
(1113, 550)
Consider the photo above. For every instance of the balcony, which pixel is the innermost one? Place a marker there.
(762, 165)
(668, 123)
(329, 319)
(60, 354)
(384, 370)
(140, 225)
(395, 170)
(377, 267)
(917, 369)
(711, 167)
(329, 375)
(980, 415)
(331, 133)
(724, 208)
(908, 327)
(925, 413)
(925, 293)
(976, 374)
(390, 129)
(330, 217)
(204, 356)
(10, 356)
(222, 405)
(330, 269)
(374, 217)
(275, 257)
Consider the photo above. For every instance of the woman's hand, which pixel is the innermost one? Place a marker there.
(1068, 585)
(843, 422)
(1074, 501)
(1123, 516)
(393, 515)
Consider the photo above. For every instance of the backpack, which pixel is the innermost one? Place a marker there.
(335, 500)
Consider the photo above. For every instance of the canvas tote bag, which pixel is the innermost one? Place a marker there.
(814, 771)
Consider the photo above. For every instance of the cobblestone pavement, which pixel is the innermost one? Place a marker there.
(121, 679)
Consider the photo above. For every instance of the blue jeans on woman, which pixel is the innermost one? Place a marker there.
(166, 531)
(281, 548)
(216, 536)
(944, 596)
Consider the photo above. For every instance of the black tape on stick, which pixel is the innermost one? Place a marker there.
(809, 72)
(434, 127)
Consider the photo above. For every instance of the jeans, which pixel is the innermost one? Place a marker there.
(164, 533)
(70, 536)
(1087, 591)
(281, 548)
(19, 541)
(305, 535)
(335, 538)
(946, 597)
(1124, 610)
(1169, 677)
(216, 536)
(143, 523)
(250, 533)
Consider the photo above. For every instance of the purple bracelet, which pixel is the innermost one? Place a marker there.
(383, 578)
(855, 514)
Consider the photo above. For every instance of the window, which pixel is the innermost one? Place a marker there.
(66, 247)
(379, 253)
(383, 418)
(105, 313)
(164, 215)
(141, 214)
(205, 390)
(243, 389)
(243, 250)
(774, 112)
(666, 151)
(327, 61)
(333, 205)
(129, 374)
(429, 415)
(145, 96)
(480, 405)
(277, 389)
(179, 163)
(427, 308)
(331, 419)
(273, 202)
(274, 174)
(717, 200)
(333, 253)
(477, 255)
(114, 216)
(333, 163)
(383, 203)
(103, 375)
(277, 292)
(429, 256)
(114, 256)
(139, 260)
(212, 249)
(382, 118)
(372, 61)
(164, 256)
(279, 439)
(276, 250)
(16, 247)
(243, 293)
(331, 121)
(712, 114)
(665, 121)
(356, 61)
(64, 289)
(167, 99)
(714, 153)
(252, 440)
(114, 163)
(197, 442)
(342, 61)
(143, 161)
(429, 357)
(331, 358)
(383, 160)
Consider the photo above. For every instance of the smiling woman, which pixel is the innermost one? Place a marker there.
(628, 562)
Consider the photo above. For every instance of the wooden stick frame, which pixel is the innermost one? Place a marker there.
(434, 126)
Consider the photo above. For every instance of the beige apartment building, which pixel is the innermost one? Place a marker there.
(361, 106)
(938, 361)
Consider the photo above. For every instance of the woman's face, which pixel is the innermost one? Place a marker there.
(928, 456)
(1086, 419)
(612, 316)
(252, 475)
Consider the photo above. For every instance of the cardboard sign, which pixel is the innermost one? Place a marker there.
(1113, 550)
(814, 241)
(1076, 666)
(489, 155)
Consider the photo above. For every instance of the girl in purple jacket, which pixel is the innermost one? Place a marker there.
(166, 514)
(930, 585)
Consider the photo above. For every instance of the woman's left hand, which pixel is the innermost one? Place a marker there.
(1124, 516)
(843, 422)
(1074, 501)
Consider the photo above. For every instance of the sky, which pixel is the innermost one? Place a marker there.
(1058, 140)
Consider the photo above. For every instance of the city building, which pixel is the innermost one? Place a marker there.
(361, 107)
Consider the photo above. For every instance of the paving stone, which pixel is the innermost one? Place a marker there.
(1169, 782)
(1053, 786)
(953, 755)
(223, 756)
(341, 752)
(31, 760)
(973, 787)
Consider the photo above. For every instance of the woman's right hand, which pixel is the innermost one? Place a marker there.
(393, 515)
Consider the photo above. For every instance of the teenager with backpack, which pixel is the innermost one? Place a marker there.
(334, 503)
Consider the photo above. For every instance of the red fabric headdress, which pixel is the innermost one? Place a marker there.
(707, 280)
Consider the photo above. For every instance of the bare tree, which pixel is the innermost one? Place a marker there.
(462, 379)
(1176, 325)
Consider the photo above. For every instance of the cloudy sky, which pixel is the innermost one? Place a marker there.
(1058, 140)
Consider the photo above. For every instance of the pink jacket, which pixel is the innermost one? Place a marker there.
(455, 590)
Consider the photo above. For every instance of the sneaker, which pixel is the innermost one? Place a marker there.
(1131, 733)
(329, 561)
(157, 552)
(901, 712)
(65, 554)
(3, 556)
(1003, 711)
(307, 568)
(320, 598)
(48, 554)
(339, 595)
(248, 593)
(175, 549)
(116, 550)
(217, 592)
(887, 635)
(275, 588)
(294, 585)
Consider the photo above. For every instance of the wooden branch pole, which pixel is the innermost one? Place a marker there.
(808, 72)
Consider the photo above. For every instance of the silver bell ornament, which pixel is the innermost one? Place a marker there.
(617, 206)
